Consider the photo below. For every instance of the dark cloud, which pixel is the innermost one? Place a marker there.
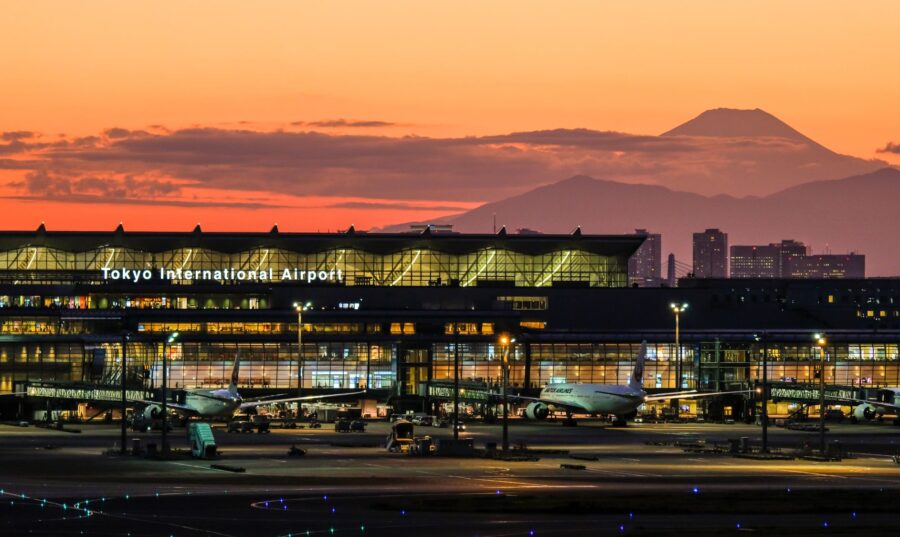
(891, 147)
(589, 139)
(467, 169)
(473, 168)
(396, 206)
(19, 164)
(11, 136)
(117, 132)
(205, 204)
(47, 184)
(333, 123)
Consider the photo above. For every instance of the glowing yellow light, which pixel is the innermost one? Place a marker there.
(408, 268)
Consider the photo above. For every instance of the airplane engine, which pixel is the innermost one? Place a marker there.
(153, 412)
(865, 412)
(537, 411)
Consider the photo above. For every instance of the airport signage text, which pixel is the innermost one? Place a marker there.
(808, 392)
(224, 274)
(84, 393)
(446, 392)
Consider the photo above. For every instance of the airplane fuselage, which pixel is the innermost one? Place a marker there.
(213, 403)
(594, 398)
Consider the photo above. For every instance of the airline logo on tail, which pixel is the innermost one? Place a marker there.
(637, 376)
(232, 387)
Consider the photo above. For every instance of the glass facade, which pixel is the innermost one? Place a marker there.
(382, 365)
(851, 364)
(410, 267)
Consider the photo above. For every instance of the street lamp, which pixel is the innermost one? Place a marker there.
(165, 396)
(505, 341)
(765, 391)
(678, 309)
(821, 341)
(300, 308)
(456, 381)
(124, 432)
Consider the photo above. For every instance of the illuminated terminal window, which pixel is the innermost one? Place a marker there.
(407, 267)
(28, 326)
(469, 329)
(406, 329)
(249, 328)
(525, 303)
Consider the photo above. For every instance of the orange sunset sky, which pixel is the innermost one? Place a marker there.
(316, 115)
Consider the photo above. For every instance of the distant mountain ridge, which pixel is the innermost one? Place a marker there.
(854, 213)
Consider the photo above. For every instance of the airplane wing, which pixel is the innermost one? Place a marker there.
(260, 402)
(691, 394)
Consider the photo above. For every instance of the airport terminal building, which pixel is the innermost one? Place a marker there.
(391, 313)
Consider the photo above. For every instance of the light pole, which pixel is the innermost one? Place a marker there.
(678, 309)
(165, 396)
(821, 341)
(300, 308)
(456, 381)
(504, 343)
(765, 392)
(125, 339)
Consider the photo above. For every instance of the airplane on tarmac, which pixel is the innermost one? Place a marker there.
(618, 400)
(869, 409)
(224, 402)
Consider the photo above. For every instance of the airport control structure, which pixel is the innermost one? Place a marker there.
(390, 313)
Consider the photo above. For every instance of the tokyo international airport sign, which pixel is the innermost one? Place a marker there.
(229, 274)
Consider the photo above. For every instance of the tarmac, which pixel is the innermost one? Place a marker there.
(644, 479)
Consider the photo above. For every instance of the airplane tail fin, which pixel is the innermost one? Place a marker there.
(232, 386)
(636, 381)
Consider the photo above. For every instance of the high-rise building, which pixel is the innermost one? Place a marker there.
(828, 266)
(755, 261)
(644, 267)
(765, 261)
(790, 250)
(670, 271)
(711, 254)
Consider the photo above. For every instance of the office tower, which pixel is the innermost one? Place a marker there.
(711, 254)
(790, 250)
(829, 266)
(645, 265)
(765, 261)
(755, 261)
(670, 270)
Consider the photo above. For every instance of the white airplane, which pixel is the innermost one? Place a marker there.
(224, 402)
(618, 400)
(868, 409)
